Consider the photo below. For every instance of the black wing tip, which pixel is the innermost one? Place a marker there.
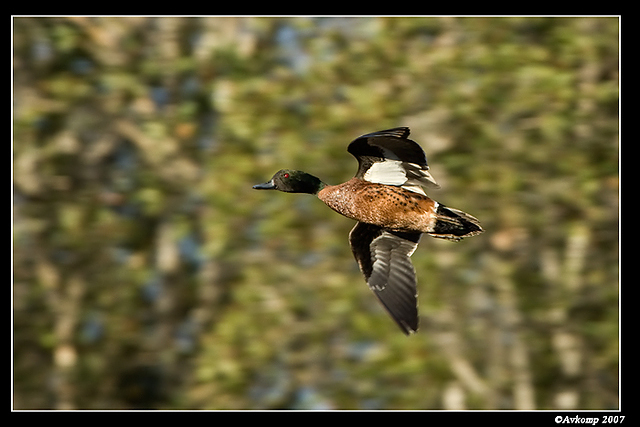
(408, 329)
(407, 322)
(376, 146)
(401, 132)
(362, 147)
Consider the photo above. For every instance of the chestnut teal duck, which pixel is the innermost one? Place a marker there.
(387, 199)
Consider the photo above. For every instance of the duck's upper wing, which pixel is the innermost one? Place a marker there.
(389, 157)
(383, 257)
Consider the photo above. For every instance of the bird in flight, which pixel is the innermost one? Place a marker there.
(387, 198)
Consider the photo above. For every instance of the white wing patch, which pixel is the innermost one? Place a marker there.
(395, 172)
(389, 172)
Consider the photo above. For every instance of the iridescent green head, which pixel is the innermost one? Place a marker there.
(292, 181)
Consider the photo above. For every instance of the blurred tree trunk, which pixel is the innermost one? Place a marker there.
(517, 353)
(563, 276)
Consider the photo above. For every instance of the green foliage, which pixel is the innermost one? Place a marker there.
(149, 274)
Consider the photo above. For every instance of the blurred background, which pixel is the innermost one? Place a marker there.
(147, 273)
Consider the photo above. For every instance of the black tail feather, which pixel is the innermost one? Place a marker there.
(452, 224)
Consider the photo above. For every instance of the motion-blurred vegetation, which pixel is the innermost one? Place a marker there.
(149, 274)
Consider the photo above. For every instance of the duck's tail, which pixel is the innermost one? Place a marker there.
(452, 224)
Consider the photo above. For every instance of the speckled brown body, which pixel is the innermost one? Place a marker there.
(387, 206)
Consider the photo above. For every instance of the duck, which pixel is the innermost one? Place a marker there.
(387, 198)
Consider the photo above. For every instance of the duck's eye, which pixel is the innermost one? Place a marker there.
(286, 175)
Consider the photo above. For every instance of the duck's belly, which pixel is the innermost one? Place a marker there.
(383, 205)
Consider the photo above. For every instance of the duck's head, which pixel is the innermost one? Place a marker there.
(292, 181)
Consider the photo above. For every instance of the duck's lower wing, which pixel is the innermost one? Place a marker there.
(384, 259)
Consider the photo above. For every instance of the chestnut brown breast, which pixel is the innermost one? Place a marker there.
(384, 205)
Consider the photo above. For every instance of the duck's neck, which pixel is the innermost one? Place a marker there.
(312, 184)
